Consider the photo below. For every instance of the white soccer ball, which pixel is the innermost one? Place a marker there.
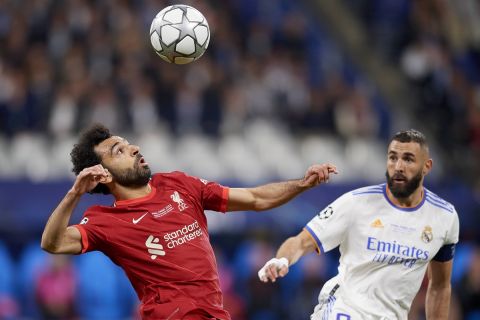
(179, 34)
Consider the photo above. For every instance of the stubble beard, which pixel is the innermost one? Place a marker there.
(132, 177)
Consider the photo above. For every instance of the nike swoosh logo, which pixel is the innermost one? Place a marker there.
(135, 221)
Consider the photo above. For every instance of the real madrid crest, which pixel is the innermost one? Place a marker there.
(427, 234)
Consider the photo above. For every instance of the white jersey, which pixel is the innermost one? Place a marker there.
(384, 251)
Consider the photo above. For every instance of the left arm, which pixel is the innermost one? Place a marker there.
(438, 293)
(275, 194)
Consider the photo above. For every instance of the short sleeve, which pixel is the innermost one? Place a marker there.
(91, 231)
(329, 226)
(215, 196)
(453, 233)
(447, 251)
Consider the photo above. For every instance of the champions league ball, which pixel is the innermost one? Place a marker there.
(179, 34)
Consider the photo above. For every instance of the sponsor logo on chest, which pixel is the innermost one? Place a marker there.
(395, 248)
(173, 239)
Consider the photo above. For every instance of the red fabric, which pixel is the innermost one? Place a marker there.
(166, 254)
(84, 237)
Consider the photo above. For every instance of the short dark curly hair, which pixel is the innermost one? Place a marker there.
(83, 154)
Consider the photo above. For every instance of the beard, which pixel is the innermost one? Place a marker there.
(132, 177)
(407, 188)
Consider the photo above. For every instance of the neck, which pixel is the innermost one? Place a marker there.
(411, 201)
(126, 193)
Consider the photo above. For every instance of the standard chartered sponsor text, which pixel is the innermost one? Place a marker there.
(181, 236)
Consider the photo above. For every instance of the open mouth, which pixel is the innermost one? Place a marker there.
(399, 179)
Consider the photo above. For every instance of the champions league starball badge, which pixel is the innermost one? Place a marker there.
(325, 214)
(427, 234)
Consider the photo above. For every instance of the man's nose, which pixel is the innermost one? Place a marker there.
(399, 165)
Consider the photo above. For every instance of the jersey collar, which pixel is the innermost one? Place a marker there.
(418, 206)
(137, 200)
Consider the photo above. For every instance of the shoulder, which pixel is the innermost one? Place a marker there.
(96, 215)
(351, 198)
(174, 175)
(97, 210)
(368, 190)
(177, 180)
(438, 202)
(163, 178)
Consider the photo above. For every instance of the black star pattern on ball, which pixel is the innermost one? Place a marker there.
(169, 51)
(185, 27)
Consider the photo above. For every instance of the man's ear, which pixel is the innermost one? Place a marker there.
(427, 167)
(108, 179)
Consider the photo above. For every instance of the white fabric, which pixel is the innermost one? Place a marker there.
(384, 249)
(278, 263)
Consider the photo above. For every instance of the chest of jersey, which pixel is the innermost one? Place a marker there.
(387, 235)
(168, 231)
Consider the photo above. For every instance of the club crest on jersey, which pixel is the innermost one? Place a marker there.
(325, 214)
(427, 234)
(176, 198)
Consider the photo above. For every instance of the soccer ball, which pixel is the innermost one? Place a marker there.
(179, 34)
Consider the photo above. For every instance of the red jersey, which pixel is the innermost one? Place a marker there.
(161, 241)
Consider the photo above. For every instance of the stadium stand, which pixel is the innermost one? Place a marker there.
(278, 82)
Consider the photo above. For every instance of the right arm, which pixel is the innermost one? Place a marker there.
(324, 232)
(57, 236)
(289, 253)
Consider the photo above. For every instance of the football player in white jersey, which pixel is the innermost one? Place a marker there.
(389, 235)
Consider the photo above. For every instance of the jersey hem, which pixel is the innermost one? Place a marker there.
(225, 196)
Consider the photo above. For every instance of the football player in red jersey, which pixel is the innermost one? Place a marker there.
(156, 230)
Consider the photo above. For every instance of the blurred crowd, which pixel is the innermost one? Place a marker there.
(437, 45)
(67, 64)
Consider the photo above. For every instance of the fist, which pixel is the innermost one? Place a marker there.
(90, 177)
(273, 269)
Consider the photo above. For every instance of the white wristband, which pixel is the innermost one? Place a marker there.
(278, 262)
(283, 262)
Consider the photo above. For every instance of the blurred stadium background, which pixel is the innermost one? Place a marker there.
(284, 84)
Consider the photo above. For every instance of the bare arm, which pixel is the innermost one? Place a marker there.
(290, 252)
(57, 236)
(275, 194)
(439, 288)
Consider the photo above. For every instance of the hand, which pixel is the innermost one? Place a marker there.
(273, 269)
(318, 173)
(89, 178)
